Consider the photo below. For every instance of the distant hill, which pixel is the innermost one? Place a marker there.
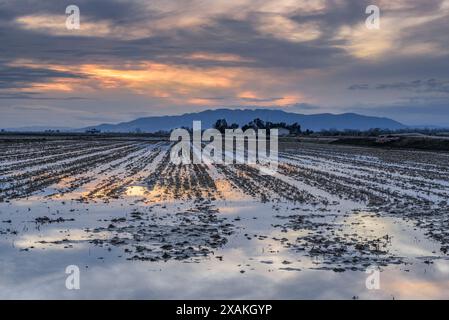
(314, 122)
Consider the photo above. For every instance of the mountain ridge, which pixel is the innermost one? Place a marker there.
(315, 122)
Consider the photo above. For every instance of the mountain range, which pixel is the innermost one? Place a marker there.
(315, 122)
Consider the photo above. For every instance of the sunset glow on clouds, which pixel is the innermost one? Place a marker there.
(135, 58)
(173, 83)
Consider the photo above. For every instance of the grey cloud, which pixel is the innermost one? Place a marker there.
(220, 34)
(416, 112)
(362, 86)
(421, 86)
(20, 77)
(34, 96)
(99, 9)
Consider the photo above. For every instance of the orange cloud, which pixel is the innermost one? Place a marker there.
(289, 100)
(52, 86)
(150, 75)
(247, 95)
(217, 57)
(177, 84)
(263, 100)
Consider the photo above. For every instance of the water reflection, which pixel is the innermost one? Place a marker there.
(252, 265)
(136, 191)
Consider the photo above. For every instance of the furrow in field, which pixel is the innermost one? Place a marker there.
(266, 187)
(55, 158)
(50, 148)
(32, 181)
(131, 171)
(82, 186)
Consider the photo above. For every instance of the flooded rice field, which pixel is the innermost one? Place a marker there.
(138, 226)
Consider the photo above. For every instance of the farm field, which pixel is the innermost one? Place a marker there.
(138, 226)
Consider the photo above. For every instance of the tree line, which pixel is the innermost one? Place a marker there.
(221, 125)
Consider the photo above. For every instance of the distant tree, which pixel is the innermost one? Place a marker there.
(295, 128)
(308, 132)
(161, 133)
(375, 132)
(221, 125)
(259, 124)
(189, 129)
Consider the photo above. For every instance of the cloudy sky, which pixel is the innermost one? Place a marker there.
(139, 58)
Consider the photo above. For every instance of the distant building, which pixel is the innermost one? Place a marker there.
(51, 131)
(387, 138)
(282, 132)
(93, 131)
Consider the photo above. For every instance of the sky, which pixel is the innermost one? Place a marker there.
(131, 59)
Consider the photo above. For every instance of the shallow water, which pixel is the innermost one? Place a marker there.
(269, 249)
(250, 268)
